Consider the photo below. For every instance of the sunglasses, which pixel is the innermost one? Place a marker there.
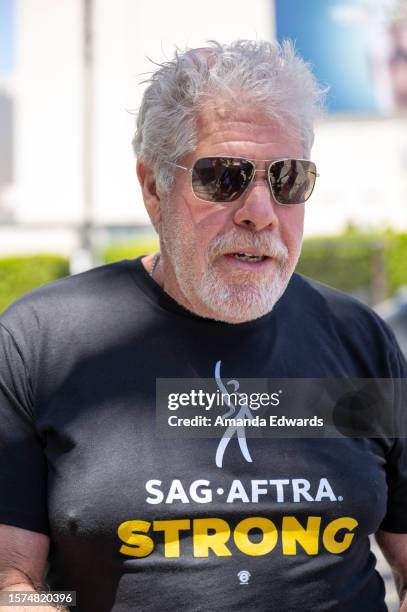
(225, 179)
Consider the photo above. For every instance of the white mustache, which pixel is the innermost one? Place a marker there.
(237, 243)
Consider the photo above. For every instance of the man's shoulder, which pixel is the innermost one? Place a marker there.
(71, 295)
(333, 298)
(347, 313)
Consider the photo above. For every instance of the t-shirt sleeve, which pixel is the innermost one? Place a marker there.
(395, 520)
(23, 469)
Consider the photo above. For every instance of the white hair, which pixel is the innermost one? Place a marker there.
(260, 73)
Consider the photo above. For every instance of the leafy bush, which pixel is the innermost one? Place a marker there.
(143, 245)
(21, 274)
(353, 262)
(396, 261)
(374, 263)
(368, 265)
(342, 262)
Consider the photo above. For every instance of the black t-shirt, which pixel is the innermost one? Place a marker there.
(140, 522)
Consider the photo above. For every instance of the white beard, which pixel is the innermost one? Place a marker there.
(242, 295)
(239, 302)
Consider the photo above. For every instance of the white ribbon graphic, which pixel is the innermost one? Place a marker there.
(239, 430)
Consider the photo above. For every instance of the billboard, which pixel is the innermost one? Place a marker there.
(356, 47)
(6, 36)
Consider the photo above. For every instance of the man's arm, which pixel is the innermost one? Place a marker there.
(23, 556)
(394, 548)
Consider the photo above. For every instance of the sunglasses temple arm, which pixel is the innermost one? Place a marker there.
(183, 167)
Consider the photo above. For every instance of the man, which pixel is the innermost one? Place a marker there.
(129, 519)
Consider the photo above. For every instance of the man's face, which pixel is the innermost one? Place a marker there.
(200, 240)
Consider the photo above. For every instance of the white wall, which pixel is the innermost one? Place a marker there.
(362, 162)
(363, 168)
(48, 110)
(49, 135)
(127, 33)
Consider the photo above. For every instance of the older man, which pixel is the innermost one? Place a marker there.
(133, 521)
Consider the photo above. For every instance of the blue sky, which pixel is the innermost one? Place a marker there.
(6, 35)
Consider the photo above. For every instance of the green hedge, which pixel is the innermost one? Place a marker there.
(396, 261)
(144, 245)
(21, 274)
(352, 262)
(345, 263)
(327, 260)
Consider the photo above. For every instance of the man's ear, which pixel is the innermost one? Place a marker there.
(148, 186)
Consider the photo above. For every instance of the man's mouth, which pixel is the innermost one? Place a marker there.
(248, 257)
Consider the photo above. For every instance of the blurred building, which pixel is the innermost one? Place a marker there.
(66, 125)
(6, 151)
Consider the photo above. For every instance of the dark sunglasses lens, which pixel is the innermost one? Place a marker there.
(292, 180)
(220, 179)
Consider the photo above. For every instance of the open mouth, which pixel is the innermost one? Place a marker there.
(248, 257)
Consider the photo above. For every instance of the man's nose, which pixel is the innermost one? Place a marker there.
(257, 210)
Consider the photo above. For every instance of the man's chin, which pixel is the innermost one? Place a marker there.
(227, 317)
(236, 297)
(240, 303)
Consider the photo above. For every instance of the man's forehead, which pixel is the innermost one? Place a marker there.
(220, 114)
(221, 124)
(235, 110)
(220, 110)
